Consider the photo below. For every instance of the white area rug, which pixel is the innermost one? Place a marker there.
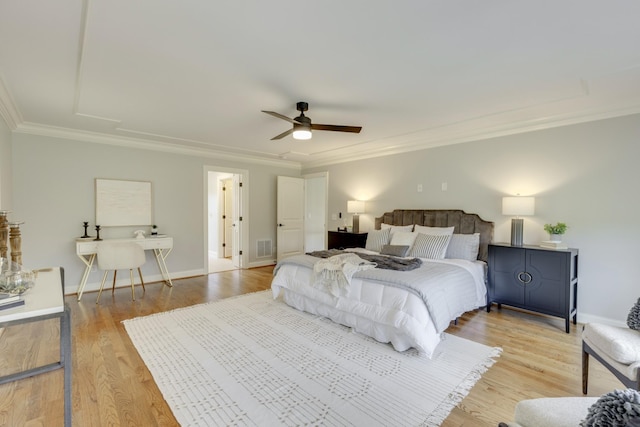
(251, 360)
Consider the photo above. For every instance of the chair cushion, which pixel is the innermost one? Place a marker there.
(620, 344)
(553, 411)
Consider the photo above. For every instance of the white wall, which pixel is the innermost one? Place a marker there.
(5, 166)
(53, 192)
(585, 175)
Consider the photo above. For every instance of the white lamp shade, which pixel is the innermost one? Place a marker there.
(355, 206)
(518, 205)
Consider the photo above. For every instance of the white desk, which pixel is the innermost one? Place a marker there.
(86, 250)
(45, 301)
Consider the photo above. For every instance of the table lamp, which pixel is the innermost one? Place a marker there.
(355, 207)
(517, 206)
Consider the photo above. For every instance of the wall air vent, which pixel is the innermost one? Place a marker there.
(265, 248)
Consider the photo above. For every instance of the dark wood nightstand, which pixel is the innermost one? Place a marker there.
(534, 278)
(343, 239)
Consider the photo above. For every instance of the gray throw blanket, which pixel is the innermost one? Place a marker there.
(384, 262)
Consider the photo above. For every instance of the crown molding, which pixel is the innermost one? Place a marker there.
(145, 144)
(8, 109)
(423, 142)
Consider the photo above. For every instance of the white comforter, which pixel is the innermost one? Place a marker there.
(378, 305)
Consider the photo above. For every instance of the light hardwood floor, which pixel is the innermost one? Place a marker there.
(112, 386)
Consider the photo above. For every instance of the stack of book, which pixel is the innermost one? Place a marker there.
(10, 300)
(551, 244)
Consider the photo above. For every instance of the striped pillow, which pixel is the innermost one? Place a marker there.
(376, 239)
(430, 246)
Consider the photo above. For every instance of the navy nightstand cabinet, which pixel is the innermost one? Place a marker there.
(535, 279)
(343, 239)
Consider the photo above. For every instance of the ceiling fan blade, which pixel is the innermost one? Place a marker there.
(337, 128)
(283, 134)
(280, 116)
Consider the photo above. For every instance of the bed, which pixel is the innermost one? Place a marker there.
(405, 308)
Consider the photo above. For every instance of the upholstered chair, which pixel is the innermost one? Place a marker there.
(551, 412)
(617, 348)
(618, 408)
(120, 256)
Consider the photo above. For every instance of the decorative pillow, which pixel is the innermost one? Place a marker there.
(463, 246)
(434, 231)
(403, 238)
(395, 250)
(619, 408)
(376, 239)
(430, 246)
(395, 228)
(633, 319)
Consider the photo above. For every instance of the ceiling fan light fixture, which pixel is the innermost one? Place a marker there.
(301, 132)
(302, 125)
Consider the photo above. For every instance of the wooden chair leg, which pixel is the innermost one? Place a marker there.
(104, 278)
(133, 291)
(141, 281)
(113, 287)
(585, 371)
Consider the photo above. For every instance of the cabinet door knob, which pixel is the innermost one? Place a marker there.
(525, 277)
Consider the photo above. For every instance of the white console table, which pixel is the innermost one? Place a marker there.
(86, 250)
(45, 301)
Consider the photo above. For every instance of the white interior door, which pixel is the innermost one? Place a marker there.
(237, 215)
(290, 216)
(315, 219)
(228, 217)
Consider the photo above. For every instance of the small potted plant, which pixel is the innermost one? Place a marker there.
(555, 231)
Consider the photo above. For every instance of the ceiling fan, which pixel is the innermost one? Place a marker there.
(302, 125)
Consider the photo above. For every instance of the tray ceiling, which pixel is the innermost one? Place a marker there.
(193, 76)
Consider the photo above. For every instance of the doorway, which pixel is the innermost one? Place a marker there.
(225, 199)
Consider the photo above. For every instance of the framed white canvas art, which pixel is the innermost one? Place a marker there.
(123, 203)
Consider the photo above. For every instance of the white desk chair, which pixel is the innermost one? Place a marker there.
(120, 256)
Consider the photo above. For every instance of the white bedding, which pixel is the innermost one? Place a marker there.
(388, 312)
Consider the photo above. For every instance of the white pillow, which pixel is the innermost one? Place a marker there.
(396, 228)
(434, 231)
(430, 246)
(463, 246)
(376, 239)
(403, 238)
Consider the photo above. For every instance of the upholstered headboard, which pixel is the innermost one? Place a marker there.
(463, 222)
